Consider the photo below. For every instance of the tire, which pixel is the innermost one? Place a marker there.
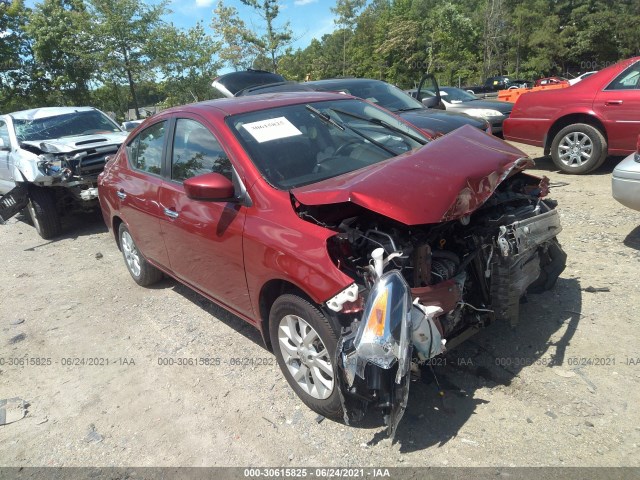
(578, 149)
(142, 272)
(43, 212)
(290, 318)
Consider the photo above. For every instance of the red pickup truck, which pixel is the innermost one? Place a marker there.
(580, 125)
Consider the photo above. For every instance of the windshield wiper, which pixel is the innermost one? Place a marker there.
(408, 109)
(324, 117)
(327, 119)
(377, 121)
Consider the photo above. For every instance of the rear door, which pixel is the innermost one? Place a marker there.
(619, 106)
(203, 239)
(138, 189)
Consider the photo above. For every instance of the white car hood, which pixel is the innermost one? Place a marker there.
(80, 142)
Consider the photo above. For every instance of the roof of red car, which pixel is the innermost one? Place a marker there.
(233, 106)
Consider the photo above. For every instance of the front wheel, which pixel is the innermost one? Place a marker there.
(44, 212)
(579, 148)
(304, 344)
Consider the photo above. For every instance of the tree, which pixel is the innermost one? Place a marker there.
(346, 12)
(187, 61)
(274, 40)
(230, 31)
(62, 47)
(124, 31)
(242, 43)
(23, 84)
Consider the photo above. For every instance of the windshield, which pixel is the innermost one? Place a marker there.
(452, 94)
(380, 93)
(301, 144)
(89, 122)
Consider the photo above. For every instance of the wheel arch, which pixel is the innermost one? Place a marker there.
(116, 221)
(270, 292)
(566, 120)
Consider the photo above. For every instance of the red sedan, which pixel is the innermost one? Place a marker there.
(291, 209)
(582, 124)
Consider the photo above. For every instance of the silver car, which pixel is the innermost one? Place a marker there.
(625, 180)
(493, 111)
(50, 159)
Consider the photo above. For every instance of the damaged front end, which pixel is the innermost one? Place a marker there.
(374, 358)
(422, 288)
(75, 167)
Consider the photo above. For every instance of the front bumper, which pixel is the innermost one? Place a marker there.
(625, 182)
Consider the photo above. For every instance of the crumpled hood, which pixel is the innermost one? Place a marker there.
(446, 179)
(80, 142)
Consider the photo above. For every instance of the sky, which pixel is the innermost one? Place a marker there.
(309, 18)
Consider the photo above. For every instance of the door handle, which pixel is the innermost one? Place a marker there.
(614, 102)
(171, 213)
(121, 194)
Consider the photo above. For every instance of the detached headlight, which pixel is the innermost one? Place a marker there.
(483, 112)
(382, 337)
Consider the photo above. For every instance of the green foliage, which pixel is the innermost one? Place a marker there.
(120, 54)
(62, 47)
(464, 41)
(187, 61)
(18, 70)
(243, 47)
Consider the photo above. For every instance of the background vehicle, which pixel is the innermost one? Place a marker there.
(550, 81)
(50, 159)
(497, 83)
(625, 180)
(231, 83)
(433, 122)
(290, 196)
(582, 124)
(573, 81)
(458, 100)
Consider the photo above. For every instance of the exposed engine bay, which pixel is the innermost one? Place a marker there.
(77, 170)
(462, 274)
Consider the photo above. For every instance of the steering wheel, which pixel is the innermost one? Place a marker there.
(344, 146)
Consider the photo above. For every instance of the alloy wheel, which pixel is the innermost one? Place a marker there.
(306, 357)
(575, 149)
(131, 254)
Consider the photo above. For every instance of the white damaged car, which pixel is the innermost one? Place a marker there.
(50, 159)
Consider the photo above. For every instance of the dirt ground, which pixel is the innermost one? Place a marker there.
(561, 389)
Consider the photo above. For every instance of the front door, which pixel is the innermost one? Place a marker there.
(203, 239)
(619, 105)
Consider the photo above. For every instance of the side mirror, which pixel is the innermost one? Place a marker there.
(430, 102)
(210, 186)
(3, 147)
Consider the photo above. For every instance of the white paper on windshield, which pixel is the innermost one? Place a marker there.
(272, 129)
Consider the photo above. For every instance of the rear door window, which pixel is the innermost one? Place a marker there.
(145, 150)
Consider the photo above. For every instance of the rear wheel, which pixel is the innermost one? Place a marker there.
(304, 344)
(579, 148)
(43, 212)
(142, 271)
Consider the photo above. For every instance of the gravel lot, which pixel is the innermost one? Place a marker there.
(562, 389)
